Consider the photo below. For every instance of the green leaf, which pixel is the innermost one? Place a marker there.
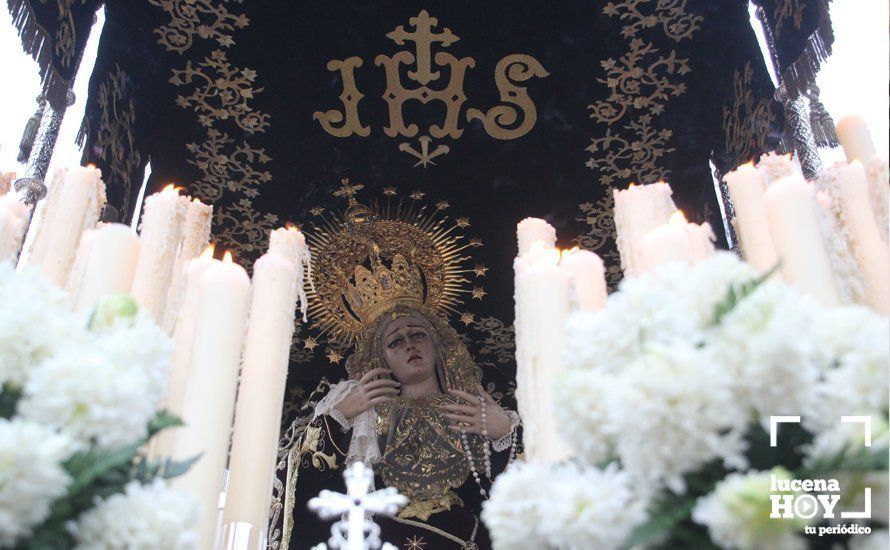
(737, 293)
(9, 399)
(88, 467)
(162, 421)
(173, 468)
(663, 518)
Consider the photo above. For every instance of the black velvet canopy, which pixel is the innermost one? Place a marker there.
(480, 113)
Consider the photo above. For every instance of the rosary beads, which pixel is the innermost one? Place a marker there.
(486, 449)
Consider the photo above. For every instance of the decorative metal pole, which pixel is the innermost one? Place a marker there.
(798, 130)
(32, 186)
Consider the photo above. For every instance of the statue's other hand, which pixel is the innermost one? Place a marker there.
(368, 393)
(468, 415)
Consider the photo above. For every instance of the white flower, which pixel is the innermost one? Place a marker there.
(582, 414)
(534, 507)
(514, 509)
(672, 303)
(671, 412)
(590, 508)
(737, 514)
(34, 323)
(766, 342)
(31, 475)
(104, 392)
(144, 517)
(854, 343)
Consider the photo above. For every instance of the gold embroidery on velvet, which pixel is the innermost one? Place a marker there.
(641, 82)
(619, 159)
(785, 10)
(243, 228)
(746, 122)
(498, 343)
(312, 451)
(115, 137)
(221, 92)
(419, 64)
(670, 14)
(66, 35)
(350, 97)
(601, 233)
(500, 121)
(206, 19)
(220, 95)
(227, 167)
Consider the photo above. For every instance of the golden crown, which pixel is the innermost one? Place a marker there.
(376, 290)
(368, 259)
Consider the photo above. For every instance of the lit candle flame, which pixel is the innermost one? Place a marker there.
(632, 185)
(208, 252)
(91, 166)
(678, 218)
(291, 227)
(570, 251)
(227, 257)
(171, 188)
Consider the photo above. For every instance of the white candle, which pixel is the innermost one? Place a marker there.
(79, 200)
(261, 394)
(588, 278)
(183, 336)
(13, 215)
(665, 244)
(195, 238)
(701, 241)
(746, 189)
(108, 265)
(210, 393)
(638, 210)
(79, 267)
(159, 239)
(542, 305)
(290, 243)
(871, 252)
(852, 132)
(531, 230)
(774, 167)
(798, 236)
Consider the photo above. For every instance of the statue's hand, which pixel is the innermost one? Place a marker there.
(468, 414)
(367, 393)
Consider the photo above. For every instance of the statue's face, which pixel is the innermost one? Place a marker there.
(409, 350)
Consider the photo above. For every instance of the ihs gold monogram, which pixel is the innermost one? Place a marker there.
(515, 117)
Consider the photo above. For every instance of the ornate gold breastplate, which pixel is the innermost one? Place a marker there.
(422, 457)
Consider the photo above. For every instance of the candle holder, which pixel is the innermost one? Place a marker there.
(241, 535)
(31, 190)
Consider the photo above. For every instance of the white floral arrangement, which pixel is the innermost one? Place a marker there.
(666, 401)
(79, 402)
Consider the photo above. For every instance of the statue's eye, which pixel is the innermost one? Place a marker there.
(418, 335)
(394, 343)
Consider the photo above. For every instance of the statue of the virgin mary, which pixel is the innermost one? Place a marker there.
(412, 407)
